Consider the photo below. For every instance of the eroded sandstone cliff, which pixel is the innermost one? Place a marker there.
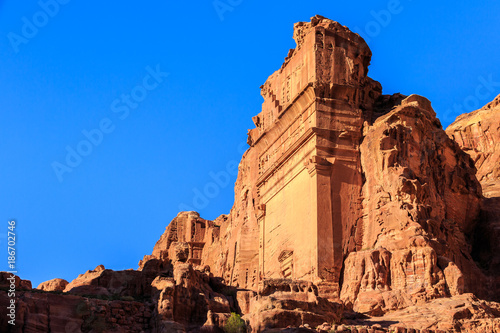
(478, 133)
(420, 200)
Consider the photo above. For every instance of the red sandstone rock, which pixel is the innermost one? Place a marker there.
(53, 285)
(421, 198)
(283, 302)
(101, 281)
(47, 312)
(184, 240)
(306, 137)
(463, 313)
(19, 284)
(391, 193)
(478, 134)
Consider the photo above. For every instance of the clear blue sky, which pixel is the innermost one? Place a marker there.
(77, 69)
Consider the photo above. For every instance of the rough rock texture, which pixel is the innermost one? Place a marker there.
(53, 285)
(346, 200)
(178, 298)
(184, 239)
(420, 199)
(190, 297)
(478, 134)
(362, 194)
(47, 312)
(463, 313)
(101, 281)
(306, 139)
(283, 303)
(6, 280)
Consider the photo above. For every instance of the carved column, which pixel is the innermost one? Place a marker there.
(321, 216)
(261, 214)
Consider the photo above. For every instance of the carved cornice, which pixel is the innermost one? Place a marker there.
(283, 158)
(318, 164)
(261, 211)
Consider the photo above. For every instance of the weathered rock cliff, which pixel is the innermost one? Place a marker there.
(478, 134)
(420, 199)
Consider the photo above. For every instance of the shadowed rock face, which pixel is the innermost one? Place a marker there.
(478, 134)
(348, 204)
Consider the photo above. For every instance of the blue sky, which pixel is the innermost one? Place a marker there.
(158, 96)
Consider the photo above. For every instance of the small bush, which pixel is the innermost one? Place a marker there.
(235, 324)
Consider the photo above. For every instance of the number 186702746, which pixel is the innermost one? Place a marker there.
(11, 249)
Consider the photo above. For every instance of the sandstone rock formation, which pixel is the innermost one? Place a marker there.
(478, 133)
(53, 285)
(420, 199)
(184, 239)
(101, 281)
(19, 284)
(306, 137)
(350, 206)
(47, 312)
(283, 303)
(463, 313)
(177, 298)
(342, 185)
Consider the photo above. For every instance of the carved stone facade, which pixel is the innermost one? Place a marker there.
(184, 239)
(308, 135)
(360, 194)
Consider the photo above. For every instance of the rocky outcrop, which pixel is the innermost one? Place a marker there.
(192, 298)
(282, 303)
(178, 298)
(106, 282)
(184, 239)
(478, 134)
(388, 201)
(463, 313)
(53, 285)
(420, 200)
(311, 117)
(11, 281)
(47, 312)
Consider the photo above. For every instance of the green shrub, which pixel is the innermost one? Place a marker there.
(235, 324)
